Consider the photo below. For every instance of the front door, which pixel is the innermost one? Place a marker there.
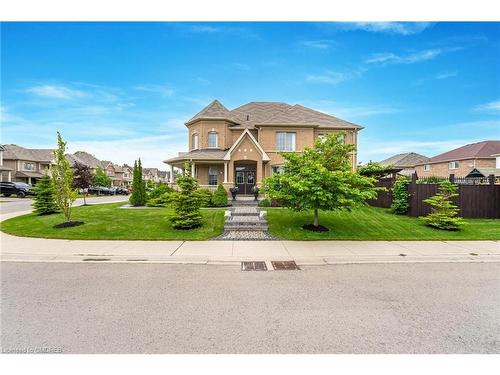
(245, 180)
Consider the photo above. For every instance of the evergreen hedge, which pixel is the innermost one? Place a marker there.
(219, 198)
(44, 202)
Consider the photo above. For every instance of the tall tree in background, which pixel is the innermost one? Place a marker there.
(320, 178)
(138, 197)
(101, 178)
(44, 202)
(187, 213)
(83, 178)
(62, 179)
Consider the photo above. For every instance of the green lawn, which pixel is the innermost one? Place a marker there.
(109, 222)
(371, 223)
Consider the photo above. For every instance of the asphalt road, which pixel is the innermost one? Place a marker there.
(11, 205)
(145, 308)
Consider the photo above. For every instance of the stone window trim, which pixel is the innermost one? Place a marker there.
(213, 139)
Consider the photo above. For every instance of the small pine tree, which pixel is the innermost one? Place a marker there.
(138, 196)
(44, 202)
(219, 199)
(187, 203)
(444, 214)
(400, 197)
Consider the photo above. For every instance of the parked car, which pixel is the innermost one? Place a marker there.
(121, 191)
(101, 190)
(16, 188)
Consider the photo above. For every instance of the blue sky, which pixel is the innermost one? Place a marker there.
(124, 90)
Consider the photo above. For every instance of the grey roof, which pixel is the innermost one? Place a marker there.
(87, 159)
(199, 155)
(163, 174)
(15, 152)
(408, 159)
(149, 170)
(254, 114)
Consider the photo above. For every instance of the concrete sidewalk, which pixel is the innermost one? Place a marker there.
(216, 252)
(25, 249)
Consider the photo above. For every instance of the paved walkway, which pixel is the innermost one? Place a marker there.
(216, 252)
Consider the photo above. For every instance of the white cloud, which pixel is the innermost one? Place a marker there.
(55, 92)
(322, 44)
(158, 89)
(392, 58)
(493, 106)
(334, 78)
(401, 28)
(437, 77)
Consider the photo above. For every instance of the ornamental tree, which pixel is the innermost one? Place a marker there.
(101, 178)
(320, 178)
(44, 202)
(444, 214)
(62, 179)
(187, 213)
(138, 196)
(83, 178)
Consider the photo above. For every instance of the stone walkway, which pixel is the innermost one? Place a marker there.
(245, 222)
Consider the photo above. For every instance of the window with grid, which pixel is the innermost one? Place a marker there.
(29, 166)
(285, 141)
(453, 165)
(212, 175)
(213, 139)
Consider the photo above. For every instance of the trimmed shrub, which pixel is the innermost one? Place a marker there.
(266, 202)
(159, 190)
(205, 197)
(444, 214)
(219, 199)
(400, 197)
(163, 200)
(44, 202)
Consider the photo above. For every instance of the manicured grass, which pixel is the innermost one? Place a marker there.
(371, 223)
(109, 222)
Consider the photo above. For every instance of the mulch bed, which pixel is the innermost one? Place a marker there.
(68, 224)
(319, 228)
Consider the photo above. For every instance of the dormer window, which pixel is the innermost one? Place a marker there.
(194, 141)
(213, 140)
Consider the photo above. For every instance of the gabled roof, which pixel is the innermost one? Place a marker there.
(484, 172)
(213, 111)
(254, 114)
(87, 159)
(408, 159)
(246, 133)
(15, 152)
(481, 150)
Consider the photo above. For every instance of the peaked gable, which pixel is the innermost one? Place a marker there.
(213, 111)
(246, 133)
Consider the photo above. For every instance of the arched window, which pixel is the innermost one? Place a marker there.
(213, 140)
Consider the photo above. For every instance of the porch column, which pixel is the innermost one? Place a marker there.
(193, 169)
(171, 174)
(29, 180)
(225, 172)
(9, 178)
(259, 173)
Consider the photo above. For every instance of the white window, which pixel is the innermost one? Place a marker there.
(212, 175)
(213, 140)
(285, 141)
(498, 162)
(110, 173)
(453, 165)
(29, 166)
(278, 169)
(194, 141)
(427, 167)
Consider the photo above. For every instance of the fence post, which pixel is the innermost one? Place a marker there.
(452, 178)
(412, 187)
(491, 179)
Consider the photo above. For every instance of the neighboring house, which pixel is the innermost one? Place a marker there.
(164, 176)
(114, 171)
(241, 147)
(406, 162)
(151, 174)
(25, 164)
(5, 172)
(461, 161)
(86, 159)
(128, 175)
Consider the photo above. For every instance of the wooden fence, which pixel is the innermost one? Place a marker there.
(474, 200)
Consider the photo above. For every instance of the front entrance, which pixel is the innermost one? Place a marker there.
(245, 176)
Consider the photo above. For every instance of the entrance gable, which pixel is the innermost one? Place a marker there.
(249, 143)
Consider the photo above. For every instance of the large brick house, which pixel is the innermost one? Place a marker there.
(241, 147)
(461, 161)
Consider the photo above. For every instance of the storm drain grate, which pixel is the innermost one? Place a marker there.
(285, 265)
(253, 266)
